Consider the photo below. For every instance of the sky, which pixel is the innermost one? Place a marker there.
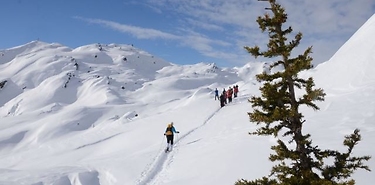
(183, 31)
(102, 123)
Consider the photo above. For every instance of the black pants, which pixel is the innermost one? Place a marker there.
(170, 139)
(222, 103)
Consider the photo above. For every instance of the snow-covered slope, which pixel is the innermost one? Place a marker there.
(60, 102)
(101, 122)
(354, 63)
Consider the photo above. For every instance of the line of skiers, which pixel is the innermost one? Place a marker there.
(226, 96)
(229, 94)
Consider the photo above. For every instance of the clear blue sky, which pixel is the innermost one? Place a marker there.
(183, 31)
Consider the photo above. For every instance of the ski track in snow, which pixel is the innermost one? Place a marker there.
(159, 167)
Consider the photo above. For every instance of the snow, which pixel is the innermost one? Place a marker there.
(106, 126)
(351, 65)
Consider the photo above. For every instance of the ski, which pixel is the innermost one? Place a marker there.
(168, 149)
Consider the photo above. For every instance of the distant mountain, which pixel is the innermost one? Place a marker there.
(47, 73)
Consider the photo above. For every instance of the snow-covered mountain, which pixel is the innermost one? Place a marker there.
(353, 64)
(97, 114)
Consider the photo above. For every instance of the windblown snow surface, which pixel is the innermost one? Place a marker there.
(102, 122)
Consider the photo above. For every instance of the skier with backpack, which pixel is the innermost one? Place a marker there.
(222, 100)
(169, 133)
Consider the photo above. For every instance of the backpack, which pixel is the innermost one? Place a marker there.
(168, 131)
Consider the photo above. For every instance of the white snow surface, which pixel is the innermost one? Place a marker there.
(103, 123)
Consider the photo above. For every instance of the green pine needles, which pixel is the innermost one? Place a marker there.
(276, 112)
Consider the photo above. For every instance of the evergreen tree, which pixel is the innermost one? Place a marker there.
(277, 113)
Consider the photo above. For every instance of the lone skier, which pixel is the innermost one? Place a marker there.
(216, 94)
(169, 133)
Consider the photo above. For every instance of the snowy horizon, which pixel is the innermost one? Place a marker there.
(102, 122)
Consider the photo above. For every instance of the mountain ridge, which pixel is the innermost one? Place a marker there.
(350, 66)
